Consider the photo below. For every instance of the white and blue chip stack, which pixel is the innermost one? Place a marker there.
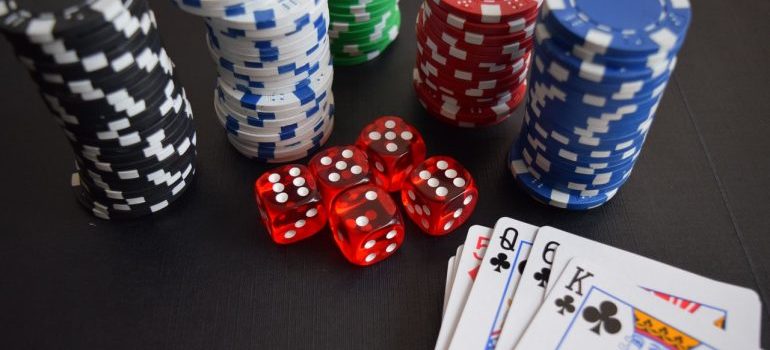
(273, 93)
(599, 70)
(102, 70)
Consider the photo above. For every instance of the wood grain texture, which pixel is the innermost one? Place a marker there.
(204, 275)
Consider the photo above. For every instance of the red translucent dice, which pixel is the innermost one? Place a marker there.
(439, 195)
(394, 148)
(338, 168)
(289, 203)
(366, 224)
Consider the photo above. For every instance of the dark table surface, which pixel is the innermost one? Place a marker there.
(204, 274)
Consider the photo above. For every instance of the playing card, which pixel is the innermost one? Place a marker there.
(451, 272)
(472, 253)
(484, 312)
(449, 277)
(593, 307)
(735, 309)
(531, 289)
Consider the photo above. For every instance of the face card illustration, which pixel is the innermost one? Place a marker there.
(468, 262)
(735, 310)
(534, 279)
(484, 313)
(592, 307)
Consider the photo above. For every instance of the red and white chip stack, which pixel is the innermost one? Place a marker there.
(472, 58)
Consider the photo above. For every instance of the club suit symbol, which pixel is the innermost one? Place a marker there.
(603, 317)
(565, 304)
(542, 276)
(501, 262)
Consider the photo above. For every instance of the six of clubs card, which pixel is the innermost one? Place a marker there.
(518, 286)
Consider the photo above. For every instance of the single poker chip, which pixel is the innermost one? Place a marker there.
(513, 25)
(274, 62)
(598, 74)
(489, 11)
(361, 31)
(102, 71)
(621, 28)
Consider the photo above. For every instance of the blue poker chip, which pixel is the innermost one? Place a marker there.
(600, 68)
(628, 91)
(621, 27)
(594, 71)
(546, 194)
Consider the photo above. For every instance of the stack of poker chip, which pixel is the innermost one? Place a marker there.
(361, 30)
(472, 58)
(599, 71)
(102, 70)
(273, 93)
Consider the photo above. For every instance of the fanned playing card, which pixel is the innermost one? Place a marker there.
(487, 305)
(594, 307)
(734, 309)
(467, 264)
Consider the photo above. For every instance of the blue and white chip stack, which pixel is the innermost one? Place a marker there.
(600, 69)
(273, 94)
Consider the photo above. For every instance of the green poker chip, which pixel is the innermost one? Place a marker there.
(371, 33)
(352, 9)
(376, 42)
(360, 30)
(366, 16)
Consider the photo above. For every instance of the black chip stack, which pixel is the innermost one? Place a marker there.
(102, 70)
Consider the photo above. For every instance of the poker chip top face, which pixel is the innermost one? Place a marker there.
(622, 26)
(488, 11)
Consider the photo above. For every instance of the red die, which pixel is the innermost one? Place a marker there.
(338, 168)
(439, 195)
(289, 203)
(394, 149)
(366, 224)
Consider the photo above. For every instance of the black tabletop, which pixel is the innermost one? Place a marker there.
(205, 275)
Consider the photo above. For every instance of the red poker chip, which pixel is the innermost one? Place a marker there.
(512, 49)
(471, 56)
(510, 26)
(445, 69)
(463, 64)
(461, 99)
(488, 11)
(462, 88)
(478, 114)
(474, 38)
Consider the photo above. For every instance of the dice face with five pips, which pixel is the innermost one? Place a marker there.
(439, 195)
(366, 224)
(289, 203)
(338, 168)
(394, 148)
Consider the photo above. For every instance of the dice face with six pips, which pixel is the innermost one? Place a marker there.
(338, 168)
(289, 203)
(394, 148)
(439, 195)
(366, 224)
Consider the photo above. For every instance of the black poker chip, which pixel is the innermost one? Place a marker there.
(101, 69)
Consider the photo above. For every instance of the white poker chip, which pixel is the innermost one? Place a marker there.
(273, 95)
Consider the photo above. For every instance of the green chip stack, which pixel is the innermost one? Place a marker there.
(362, 29)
